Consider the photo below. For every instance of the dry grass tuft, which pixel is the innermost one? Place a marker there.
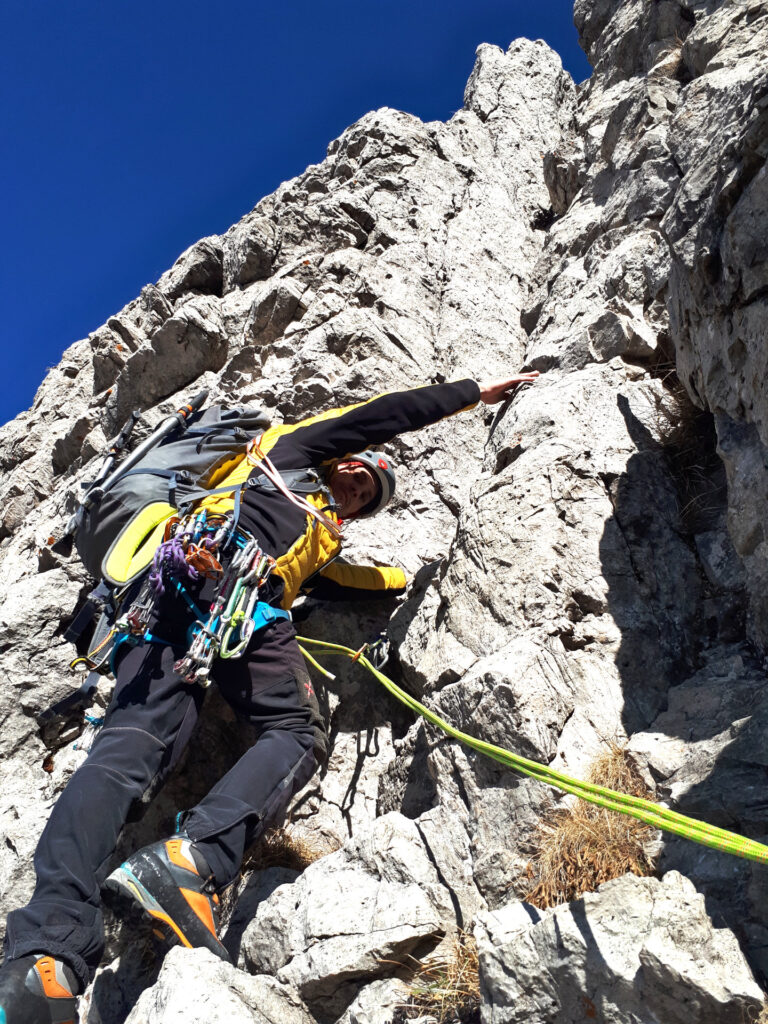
(689, 443)
(284, 847)
(669, 62)
(584, 846)
(763, 1018)
(447, 989)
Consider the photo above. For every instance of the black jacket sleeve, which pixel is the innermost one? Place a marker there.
(342, 432)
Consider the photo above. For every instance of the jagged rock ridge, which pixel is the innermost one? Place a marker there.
(578, 577)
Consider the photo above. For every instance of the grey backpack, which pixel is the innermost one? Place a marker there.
(169, 478)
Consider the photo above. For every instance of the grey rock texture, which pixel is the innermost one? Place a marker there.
(588, 561)
(350, 915)
(637, 950)
(195, 986)
(719, 273)
(377, 1003)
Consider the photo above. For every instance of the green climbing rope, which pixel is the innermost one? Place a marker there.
(644, 810)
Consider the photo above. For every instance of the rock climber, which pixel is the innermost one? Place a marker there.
(54, 944)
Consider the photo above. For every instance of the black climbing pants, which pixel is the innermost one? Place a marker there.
(147, 726)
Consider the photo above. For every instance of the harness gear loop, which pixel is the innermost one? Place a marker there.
(189, 552)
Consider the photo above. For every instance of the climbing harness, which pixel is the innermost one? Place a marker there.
(191, 551)
(134, 520)
(211, 547)
(233, 615)
(636, 807)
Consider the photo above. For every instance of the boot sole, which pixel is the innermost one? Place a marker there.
(123, 882)
(19, 1003)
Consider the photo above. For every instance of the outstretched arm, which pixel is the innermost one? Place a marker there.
(339, 433)
(342, 432)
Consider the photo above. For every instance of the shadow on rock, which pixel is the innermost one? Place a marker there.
(118, 985)
(695, 701)
(654, 584)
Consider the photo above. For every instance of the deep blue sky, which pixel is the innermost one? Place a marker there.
(130, 130)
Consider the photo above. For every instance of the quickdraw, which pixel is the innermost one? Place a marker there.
(230, 623)
(192, 548)
(238, 616)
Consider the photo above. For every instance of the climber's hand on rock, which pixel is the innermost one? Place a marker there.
(492, 391)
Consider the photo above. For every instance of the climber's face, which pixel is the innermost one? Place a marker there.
(353, 486)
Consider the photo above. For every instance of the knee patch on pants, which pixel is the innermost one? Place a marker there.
(134, 756)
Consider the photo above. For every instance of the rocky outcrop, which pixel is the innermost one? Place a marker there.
(639, 949)
(587, 561)
(350, 914)
(194, 985)
(715, 227)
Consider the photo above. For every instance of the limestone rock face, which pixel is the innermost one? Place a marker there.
(716, 228)
(350, 914)
(194, 985)
(639, 949)
(587, 561)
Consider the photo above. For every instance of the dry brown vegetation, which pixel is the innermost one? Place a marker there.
(447, 988)
(285, 847)
(583, 845)
(669, 62)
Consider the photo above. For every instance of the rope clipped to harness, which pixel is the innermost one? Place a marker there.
(644, 810)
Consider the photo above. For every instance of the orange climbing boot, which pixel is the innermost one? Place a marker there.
(172, 882)
(37, 989)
